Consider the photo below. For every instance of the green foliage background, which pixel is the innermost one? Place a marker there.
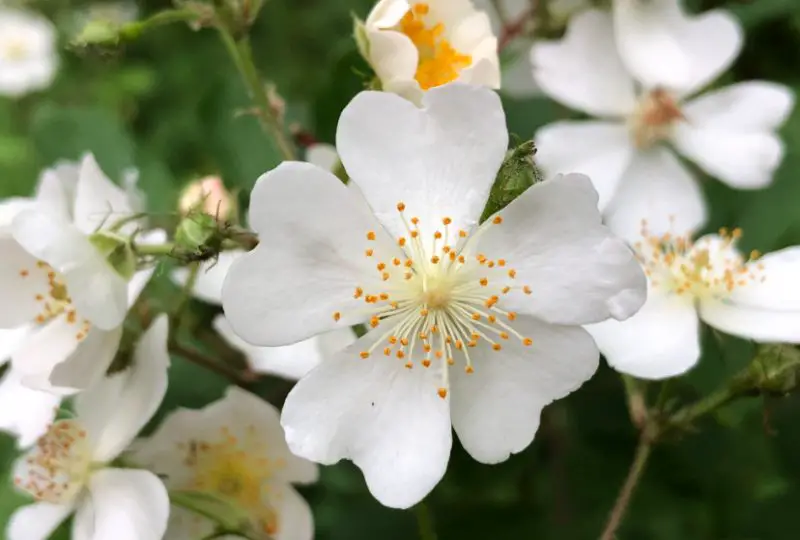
(168, 104)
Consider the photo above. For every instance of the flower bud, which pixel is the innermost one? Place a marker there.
(518, 173)
(208, 195)
(775, 369)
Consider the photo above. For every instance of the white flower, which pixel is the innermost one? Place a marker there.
(639, 84)
(323, 155)
(417, 46)
(502, 300)
(28, 59)
(54, 277)
(709, 280)
(234, 448)
(68, 470)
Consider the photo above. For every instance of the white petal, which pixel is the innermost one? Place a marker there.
(56, 190)
(19, 305)
(663, 47)
(578, 271)
(25, 413)
(98, 292)
(45, 348)
(98, 202)
(393, 56)
(9, 208)
(36, 521)
(114, 410)
(496, 409)
(749, 322)
(210, 277)
(600, 150)
(290, 361)
(123, 504)
(662, 340)
(440, 160)
(518, 80)
(656, 188)
(11, 340)
(295, 520)
(312, 236)
(323, 156)
(387, 13)
(87, 364)
(186, 525)
(767, 310)
(387, 419)
(583, 70)
(729, 133)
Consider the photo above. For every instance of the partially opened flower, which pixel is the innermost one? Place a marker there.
(638, 71)
(69, 470)
(471, 324)
(709, 280)
(416, 46)
(234, 449)
(60, 274)
(28, 59)
(208, 195)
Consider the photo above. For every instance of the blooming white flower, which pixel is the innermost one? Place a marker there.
(56, 278)
(637, 71)
(755, 298)
(233, 448)
(68, 470)
(501, 300)
(415, 46)
(28, 59)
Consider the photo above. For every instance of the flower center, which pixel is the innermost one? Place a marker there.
(53, 298)
(654, 118)
(706, 269)
(15, 50)
(237, 469)
(440, 299)
(439, 62)
(58, 467)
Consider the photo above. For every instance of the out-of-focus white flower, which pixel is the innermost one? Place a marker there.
(28, 59)
(68, 470)
(323, 156)
(208, 195)
(755, 298)
(234, 448)
(501, 300)
(636, 70)
(55, 276)
(415, 46)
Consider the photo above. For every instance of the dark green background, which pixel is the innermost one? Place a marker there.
(167, 105)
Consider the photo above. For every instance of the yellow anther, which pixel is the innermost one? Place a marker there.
(527, 342)
(469, 370)
(336, 316)
(484, 282)
(497, 220)
(364, 354)
(401, 206)
(512, 273)
(359, 291)
(497, 347)
(447, 221)
(371, 235)
(369, 252)
(442, 392)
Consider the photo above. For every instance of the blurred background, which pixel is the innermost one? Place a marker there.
(170, 105)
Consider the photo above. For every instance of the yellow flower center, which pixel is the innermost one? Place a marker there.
(54, 299)
(440, 299)
(654, 118)
(439, 63)
(697, 270)
(238, 469)
(58, 467)
(15, 50)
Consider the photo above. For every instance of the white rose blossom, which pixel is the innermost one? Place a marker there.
(415, 46)
(55, 279)
(24, 412)
(69, 471)
(28, 59)
(234, 448)
(709, 280)
(501, 301)
(638, 70)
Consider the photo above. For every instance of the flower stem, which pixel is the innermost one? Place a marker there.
(637, 407)
(634, 475)
(685, 416)
(425, 522)
(242, 55)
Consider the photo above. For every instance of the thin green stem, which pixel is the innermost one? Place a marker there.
(155, 250)
(631, 481)
(427, 531)
(687, 415)
(242, 55)
(637, 407)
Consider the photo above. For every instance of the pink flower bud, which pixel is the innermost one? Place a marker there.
(208, 195)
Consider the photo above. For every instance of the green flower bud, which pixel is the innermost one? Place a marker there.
(517, 174)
